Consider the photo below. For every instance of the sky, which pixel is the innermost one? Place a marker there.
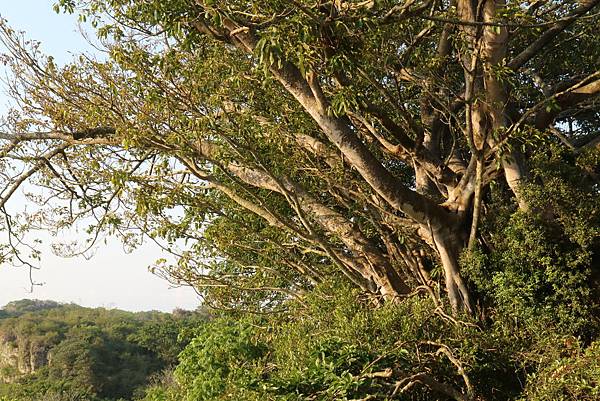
(112, 278)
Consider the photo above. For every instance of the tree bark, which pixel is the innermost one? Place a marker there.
(449, 243)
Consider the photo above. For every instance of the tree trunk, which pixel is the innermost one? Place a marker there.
(449, 243)
(515, 175)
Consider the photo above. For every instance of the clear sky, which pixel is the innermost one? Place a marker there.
(111, 278)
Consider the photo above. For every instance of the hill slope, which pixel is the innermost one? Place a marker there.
(51, 351)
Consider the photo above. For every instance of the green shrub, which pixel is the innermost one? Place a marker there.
(574, 376)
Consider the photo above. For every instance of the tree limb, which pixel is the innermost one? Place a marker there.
(559, 26)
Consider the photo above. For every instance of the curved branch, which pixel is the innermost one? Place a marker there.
(559, 26)
(573, 96)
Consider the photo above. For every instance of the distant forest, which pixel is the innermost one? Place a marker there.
(51, 351)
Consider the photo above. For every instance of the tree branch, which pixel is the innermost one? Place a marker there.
(338, 131)
(559, 26)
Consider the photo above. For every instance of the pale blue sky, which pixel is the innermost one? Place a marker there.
(111, 278)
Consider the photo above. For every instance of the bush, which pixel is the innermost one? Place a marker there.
(575, 376)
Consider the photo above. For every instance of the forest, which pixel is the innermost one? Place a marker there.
(377, 199)
(65, 352)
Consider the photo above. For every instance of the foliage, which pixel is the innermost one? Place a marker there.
(83, 354)
(573, 375)
(536, 269)
(340, 348)
(220, 360)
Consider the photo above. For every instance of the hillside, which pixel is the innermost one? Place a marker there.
(52, 351)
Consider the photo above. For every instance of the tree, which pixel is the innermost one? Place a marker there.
(288, 141)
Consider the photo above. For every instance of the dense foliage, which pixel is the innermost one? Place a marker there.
(67, 352)
(403, 195)
(340, 348)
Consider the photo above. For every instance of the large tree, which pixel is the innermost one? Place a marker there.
(288, 141)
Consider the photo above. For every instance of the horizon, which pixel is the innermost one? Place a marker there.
(3, 307)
